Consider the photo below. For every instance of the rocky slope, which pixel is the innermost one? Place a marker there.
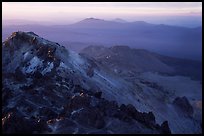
(160, 81)
(48, 89)
(140, 60)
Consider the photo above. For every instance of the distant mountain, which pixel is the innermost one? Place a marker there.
(119, 20)
(168, 40)
(116, 57)
(140, 60)
(91, 20)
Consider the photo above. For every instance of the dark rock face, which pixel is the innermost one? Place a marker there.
(165, 128)
(16, 123)
(90, 71)
(79, 101)
(47, 112)
(6, 94)
(149, 119)
(62, 126)
(19, 76)
(37, 75)
(98, 95)
(111, 108)
(146, 118)
(184, 105)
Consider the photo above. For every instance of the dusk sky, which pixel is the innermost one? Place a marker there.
(70, 12)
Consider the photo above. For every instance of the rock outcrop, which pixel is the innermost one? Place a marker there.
(183, 104)
(50, 98)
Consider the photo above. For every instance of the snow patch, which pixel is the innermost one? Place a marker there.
(25, 55)
(48, 68)
(34, 62)
(63, 65)
(76, 111)
(76, 58)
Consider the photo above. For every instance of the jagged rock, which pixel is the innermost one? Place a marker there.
(19, 76)
(122, 114)
(37, 75)
(13, 123)
(130, 110)
(79, 101)
(102, 104)
(183, 104)
(43, 98)
(127, 112)
(123, 107)
(149, 119)
(98, 95)
(6, 94)
(108, 108)
(89, 116)
(90, 71)
(165, 128)
(62, 126)
(78, 89)
(47, 112)
(56, 62)
(16, 123)
(111, 108)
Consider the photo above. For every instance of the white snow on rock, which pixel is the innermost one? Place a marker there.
(76, 111)
(34, 63)
(25, 55)
(48, 68)
(76, 58)
(63, 65)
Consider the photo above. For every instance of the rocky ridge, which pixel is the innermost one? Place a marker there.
(42, 93)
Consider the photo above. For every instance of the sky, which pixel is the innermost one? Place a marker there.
(70, 12)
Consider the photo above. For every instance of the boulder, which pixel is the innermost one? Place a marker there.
(165, 128)
(183, 104)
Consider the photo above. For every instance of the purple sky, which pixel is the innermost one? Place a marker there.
(70, 12)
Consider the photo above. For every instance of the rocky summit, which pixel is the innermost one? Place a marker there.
(49, 89)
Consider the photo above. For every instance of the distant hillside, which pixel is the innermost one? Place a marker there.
(168, 40)
(124, 59)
